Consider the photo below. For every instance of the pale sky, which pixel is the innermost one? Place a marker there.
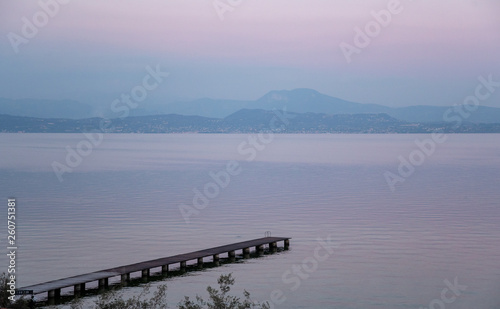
(430, 52)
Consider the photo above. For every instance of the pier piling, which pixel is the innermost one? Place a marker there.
(164, 269)
(79, 289)
(125, 278)
(103, 284)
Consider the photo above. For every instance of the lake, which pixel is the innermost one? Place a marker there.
(433, 241)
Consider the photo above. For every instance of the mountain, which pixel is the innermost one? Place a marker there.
(311, 101)
(45, 108)
(243, 121)
(298, 101)
(256, 120)
(308, 100)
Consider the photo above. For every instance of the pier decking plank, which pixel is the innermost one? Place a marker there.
(127, 269)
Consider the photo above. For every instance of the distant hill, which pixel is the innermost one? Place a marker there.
(45, 108)
(243, 121)
(297, 100)
(255, 120)
(311, 101)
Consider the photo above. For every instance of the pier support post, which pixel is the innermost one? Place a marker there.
(79, 289)
(200, 262)
(183, 266)
(232, 255)
(103, 284)
(246, 253)
(145, 275)
(259, 249)
(125, 279)
(216, 259)
(54, 294)
(286, 244)
(273, 246)
(164, 269)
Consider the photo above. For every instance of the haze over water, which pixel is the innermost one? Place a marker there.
(395, 249)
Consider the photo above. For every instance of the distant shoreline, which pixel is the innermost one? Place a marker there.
(243, 122)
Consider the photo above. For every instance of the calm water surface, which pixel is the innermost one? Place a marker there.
(395, 249)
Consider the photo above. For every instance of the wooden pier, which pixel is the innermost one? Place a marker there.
(53, 288)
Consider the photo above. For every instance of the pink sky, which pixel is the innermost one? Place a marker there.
(447, 41)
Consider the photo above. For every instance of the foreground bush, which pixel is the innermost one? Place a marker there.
(218, 299)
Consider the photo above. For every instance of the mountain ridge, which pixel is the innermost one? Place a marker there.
(299, 100)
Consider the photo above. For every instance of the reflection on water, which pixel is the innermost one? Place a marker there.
(395, 250)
